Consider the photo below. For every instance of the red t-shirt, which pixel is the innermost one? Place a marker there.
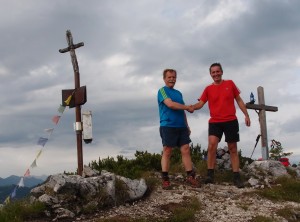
(221, 101)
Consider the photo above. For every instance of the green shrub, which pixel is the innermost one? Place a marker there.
(122, 192)
(21, 210)
(244, 160)
(144, 161)
(291, 172)
(130, 168)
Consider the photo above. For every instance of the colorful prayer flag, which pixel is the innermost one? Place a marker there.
(55, 119)
(14, 193)
(61, 108)
(42, 141)
(68, 100)
(49, 130)
(33, 164)
(27, 173)
(21, 183)
(39, 153)
(7, 200)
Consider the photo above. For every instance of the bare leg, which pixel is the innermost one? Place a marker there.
(213, 142)
(186, 157)
(188, 165)
(235, 163)
(234, 156)
(165, 159)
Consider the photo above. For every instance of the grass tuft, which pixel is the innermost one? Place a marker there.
(288, 189)
(185, 211)
(262, 219)
(289, 213)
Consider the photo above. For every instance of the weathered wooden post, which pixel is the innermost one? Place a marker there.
(78, 97)
(262, 120)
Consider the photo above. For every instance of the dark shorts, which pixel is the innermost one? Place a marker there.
(230, 129)
(174, 137)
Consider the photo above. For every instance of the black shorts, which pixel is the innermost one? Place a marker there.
(174, 137)
(230, 129)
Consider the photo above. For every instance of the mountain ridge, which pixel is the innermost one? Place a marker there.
(8, 184)
(29, 181)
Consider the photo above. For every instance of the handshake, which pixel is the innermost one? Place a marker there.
(190, 109)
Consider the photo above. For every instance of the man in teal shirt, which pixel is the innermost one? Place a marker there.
(174, 130)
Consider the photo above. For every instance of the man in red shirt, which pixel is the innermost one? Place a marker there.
(220, 96)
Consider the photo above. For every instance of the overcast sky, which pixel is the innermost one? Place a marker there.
(127, 45)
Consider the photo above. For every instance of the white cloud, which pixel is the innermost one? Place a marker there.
(224, 10)
(126, 47)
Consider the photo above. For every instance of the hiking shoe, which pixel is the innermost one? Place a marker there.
(238, 182)
(192, 182)
(208, 180)
(210, 176)
(166, 185)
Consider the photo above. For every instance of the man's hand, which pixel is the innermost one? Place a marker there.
(190, 109)
(247, 120)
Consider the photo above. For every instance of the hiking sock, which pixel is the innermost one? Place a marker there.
(237, 180)
(191, 173)
(165, 175)
(236, 175)
(210, 176)
(211, 173)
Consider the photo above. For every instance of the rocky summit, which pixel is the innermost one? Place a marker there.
(218, 202)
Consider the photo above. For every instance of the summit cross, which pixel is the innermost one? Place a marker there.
(78, 124)
(262, 108)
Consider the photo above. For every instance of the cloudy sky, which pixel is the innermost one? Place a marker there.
(127, 44)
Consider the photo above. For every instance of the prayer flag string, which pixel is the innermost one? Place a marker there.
(42, 142)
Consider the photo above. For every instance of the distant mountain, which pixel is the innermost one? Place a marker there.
(28, 181)
(42, 177)
(9, 184)
(9, 180)
(6, 191)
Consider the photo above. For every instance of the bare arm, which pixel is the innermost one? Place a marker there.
(174, 105)
(198, 105)
(243, 108)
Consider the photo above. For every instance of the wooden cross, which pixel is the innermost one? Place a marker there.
(262, 120)
(78, 97)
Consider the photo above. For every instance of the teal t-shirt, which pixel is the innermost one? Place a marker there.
(170, 117)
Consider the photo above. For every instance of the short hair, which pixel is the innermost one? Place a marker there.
(169, 70)
(215, 64)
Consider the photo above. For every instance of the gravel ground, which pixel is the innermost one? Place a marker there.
(219, 203)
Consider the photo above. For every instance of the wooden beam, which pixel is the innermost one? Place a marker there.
(262, 107)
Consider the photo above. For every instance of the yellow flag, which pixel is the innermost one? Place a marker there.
(7, 200)
(39, 153)
(68, 100)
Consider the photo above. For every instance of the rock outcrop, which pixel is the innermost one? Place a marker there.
(75, 198)
(67, 196)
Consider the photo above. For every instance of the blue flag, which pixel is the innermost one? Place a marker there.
(42, 141)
